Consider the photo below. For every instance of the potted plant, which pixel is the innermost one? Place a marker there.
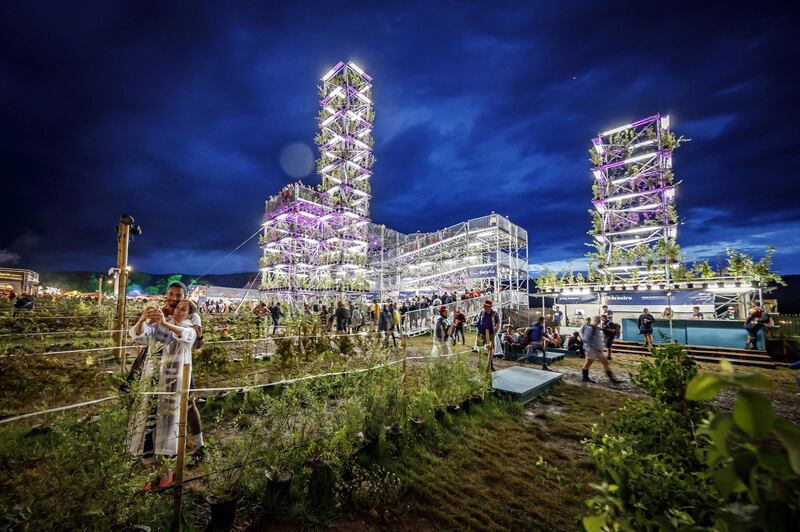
(223, 488)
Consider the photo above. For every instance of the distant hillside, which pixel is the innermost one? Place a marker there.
(145, 283)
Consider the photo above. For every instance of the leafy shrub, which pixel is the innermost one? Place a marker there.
(211, 356)
(752, 457)
(666, 377)
(370, 488)
(643, 455)
(79, 476)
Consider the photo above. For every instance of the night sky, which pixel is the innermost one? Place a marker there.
(179, 114)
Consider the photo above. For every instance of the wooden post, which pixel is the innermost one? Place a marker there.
(184, 408)
(404, 339)
(489, 350)
(123, 238)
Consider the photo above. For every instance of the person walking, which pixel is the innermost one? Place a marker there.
(645, 327)
(341, 318)
(386, 326)
(593, 347)
(276, 314)
(441, 334)
(757, 318)
(458, 325)
(357, 320)
(575, 344)
(397, 318)
(488, 325)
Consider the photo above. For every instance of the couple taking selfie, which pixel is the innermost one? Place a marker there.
(168, 334)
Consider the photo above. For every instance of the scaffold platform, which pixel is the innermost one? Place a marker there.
(524, 384)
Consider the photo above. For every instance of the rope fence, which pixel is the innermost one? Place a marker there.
(230, 388)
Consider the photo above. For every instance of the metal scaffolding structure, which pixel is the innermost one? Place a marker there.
(488, 253)
(634, 197)
(321, 242)
(316, 239)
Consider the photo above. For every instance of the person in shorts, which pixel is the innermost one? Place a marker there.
(646, 327)
(609, 329)
(593, 347)
(557, 317)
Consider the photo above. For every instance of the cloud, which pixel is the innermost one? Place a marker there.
(8, 258)
(180, 118)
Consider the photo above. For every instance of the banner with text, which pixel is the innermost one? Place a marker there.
(482, 272)
(660, 298)
(577, 299)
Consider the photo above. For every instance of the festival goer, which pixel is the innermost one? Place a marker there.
(23, 302)
(376, 314)
(757, 318)
(575, 345)
(357, 320)
(342, 318)
(730, 314)
(645, 324)
(608, 312)
(178, 335)
(458, 324)
(609, 329)
(441, 334)
(396, 318)
(176, 293)
(557, 316)
(386, 326)
(554, 337)
(510, 343)
(593, 347)
(537, 335)
(276, 314)
(488, 322)
(696, 314)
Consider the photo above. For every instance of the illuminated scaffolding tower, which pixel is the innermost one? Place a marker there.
(634, 199)
(488, 253)
(316, 239)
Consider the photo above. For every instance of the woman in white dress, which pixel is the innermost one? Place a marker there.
(178, 335)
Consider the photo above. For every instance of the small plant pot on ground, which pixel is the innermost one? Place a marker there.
(321, 483)
(278, 482)
(223, 513)
(394, 430)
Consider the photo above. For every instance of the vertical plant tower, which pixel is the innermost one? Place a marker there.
(345, 164)
(316, 239)
(634, 221)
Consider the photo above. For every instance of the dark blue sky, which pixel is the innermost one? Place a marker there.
(178, 114)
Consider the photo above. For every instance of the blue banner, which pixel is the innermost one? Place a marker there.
(577, 299)
(659, 298)
(481, 272)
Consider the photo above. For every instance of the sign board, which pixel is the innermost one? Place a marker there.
(577, 299)
(660, 298)
(482, 272)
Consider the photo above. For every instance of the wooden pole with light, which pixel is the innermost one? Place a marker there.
(125, 229)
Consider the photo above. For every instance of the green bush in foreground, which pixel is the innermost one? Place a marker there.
(671, 462)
